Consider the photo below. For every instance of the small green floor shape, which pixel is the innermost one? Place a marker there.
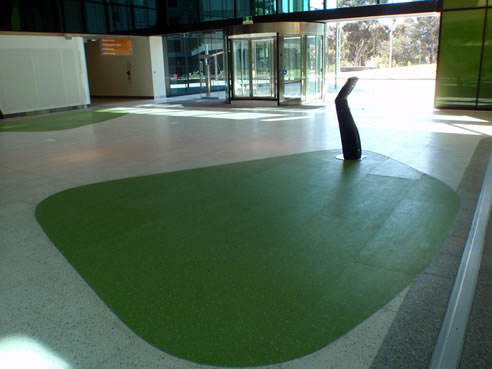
(257, 262)
(56, 122)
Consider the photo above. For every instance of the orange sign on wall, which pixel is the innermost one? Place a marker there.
(116, 46)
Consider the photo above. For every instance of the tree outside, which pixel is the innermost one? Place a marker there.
(367, 44)
(394, 58)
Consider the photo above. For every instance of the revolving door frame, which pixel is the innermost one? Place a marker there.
(278, 32)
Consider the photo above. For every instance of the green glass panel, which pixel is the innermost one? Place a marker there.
(459, 4)
(485, 96)
(459, 59)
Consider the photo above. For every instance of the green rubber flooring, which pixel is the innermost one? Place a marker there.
(256, 262)
(58, 121)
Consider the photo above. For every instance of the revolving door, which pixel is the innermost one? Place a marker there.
(286, 65)
(253, 68)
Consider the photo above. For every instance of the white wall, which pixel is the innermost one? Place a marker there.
(41, 72)
(108, 74)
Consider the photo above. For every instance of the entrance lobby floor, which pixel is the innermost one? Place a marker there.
(47, 309)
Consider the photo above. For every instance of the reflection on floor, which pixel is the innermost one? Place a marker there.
(45, 299)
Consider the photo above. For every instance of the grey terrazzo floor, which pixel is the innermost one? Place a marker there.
(477, 351)
(411, 338)
(48, 311)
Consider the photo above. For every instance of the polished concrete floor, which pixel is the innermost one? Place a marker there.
(48, 313)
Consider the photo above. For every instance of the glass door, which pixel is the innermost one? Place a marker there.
(253, 68)
(241, 70)
(291, 68)
(263, 78)
(205, 77)
(314, 67)
(211, 75)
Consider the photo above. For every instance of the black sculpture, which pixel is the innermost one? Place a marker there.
(348, 129)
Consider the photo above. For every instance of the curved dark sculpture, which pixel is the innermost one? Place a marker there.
(348, 130)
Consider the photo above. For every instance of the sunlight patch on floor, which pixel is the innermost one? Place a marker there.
(22, 352)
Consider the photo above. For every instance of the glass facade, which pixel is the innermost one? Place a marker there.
(292, 6)
(394, 58)
(182, 12)
(79, 16)
(347, 3)
(211, 10)
(193, 61)
(133, 16)
(292, 55)
(464, 77)
(254, 67)
(249, 8)
(485, 93)
(463, 4)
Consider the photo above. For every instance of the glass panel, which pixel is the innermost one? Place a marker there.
(177, 66)
(41, 16)
(211, 64)
(400, 1)
(292, 67)
(216, 9)
(459, 60)
(314, 66)
(10, 17)
(453, 4)
(96, 17)
(118, 18)
(265, 7)
(292, 6)
(262, 68)
(191, 58)
(240, 63)
(182, 12)
(247, 8)
(72, 10)
(364, 49)
(193, 76)
(140, 18)
(350, 3)
(485, 97)
(331, 4)
(152, 17)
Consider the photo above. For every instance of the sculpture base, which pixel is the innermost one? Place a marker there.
(340, 157)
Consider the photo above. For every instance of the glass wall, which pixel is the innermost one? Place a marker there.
(459, 60)
(292, 65)
(314, 66)
(240, 71)
(485, 93)
(464, 77)
(463, 4)
(194, 60)
(182, 12)
(79, 16)
(247, 8)
(254, 67)
(348, 3)
(211, 10)
(394, 59)
(291, 6)
(132, 16)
